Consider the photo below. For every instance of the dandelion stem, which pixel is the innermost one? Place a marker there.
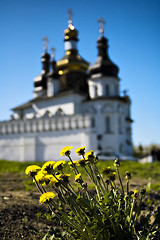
(120, 180)
(37, 185)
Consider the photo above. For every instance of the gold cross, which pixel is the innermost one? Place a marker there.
(101, 26)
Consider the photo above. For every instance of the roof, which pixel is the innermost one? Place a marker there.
(45, 97)
(112, 98)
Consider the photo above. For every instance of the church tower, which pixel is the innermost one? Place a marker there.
(40, 82)
(110, 109)
(104, 81)
(72, 68)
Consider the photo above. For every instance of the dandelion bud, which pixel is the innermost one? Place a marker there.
(117, 162)
(136, 193)
(84, 185)
(142, 191)
(131, 193)
(95, 159)
(107, 181)
(128, 176)
(98, 177)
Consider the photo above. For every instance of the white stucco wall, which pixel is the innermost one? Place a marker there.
(44, 146)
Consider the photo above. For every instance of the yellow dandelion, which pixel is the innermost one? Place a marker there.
(82, 162)
(106, 170)
(46, 197)
(71, 164)
(80, 151)
(136, 193)
(47, 178)
(78, 177)
(48, 166)
(66, 151)
(32, 170)
(111, 176)
(53, 181)
(89, 156)
(59, 165)
(63, 178)
(40, 177)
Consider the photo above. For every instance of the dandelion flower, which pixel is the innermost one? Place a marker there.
(48, 166)
(66, 151)
(80, 151)
(136, 193)
(111, 176)
(59, 165)
(60, 179)
(32, 170)
(43, 177)
(82, 162)
(40, 176)
(46, 197)
(53, 181)
(78, 177)
(106, 170)
(72, 164)
(89, 156)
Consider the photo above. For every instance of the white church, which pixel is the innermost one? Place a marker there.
(74, 104)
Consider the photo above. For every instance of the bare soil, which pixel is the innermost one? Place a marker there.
(21, 214)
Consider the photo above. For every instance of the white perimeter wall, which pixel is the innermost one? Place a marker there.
(45, 146)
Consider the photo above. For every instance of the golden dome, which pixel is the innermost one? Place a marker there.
(70, 33)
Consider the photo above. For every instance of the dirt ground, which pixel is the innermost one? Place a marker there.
(21, 214)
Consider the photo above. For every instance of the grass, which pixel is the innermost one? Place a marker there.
(147, 171)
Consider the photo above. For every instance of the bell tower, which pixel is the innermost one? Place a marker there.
(72, 68)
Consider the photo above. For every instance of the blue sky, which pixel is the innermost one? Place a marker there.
(132, 27)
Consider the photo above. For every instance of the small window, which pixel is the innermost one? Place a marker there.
(108, 124)
(107, 90)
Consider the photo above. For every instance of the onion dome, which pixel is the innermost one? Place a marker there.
(103, 64)
(54, 71)
(40, 82)
(72, 68)
(70, 33)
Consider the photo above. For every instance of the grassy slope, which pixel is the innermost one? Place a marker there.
(147, 171)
